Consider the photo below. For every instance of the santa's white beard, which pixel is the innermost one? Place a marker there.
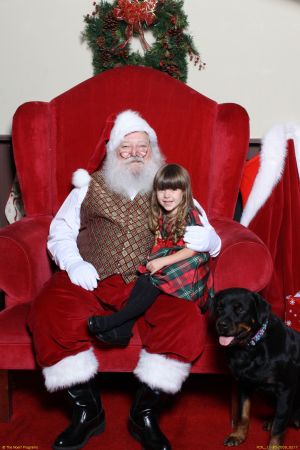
(128, 178)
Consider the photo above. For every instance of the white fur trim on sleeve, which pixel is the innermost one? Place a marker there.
(293, 132)
(80, 178)
(160, 372)
(272, 161)
(71, 370)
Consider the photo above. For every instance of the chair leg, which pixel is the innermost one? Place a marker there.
(5, 397)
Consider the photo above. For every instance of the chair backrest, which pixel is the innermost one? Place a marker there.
(51, 140)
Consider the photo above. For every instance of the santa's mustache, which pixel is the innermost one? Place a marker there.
(134, 159)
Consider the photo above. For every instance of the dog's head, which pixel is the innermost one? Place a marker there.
(239, 314)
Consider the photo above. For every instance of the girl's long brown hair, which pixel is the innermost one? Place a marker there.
(171, 176)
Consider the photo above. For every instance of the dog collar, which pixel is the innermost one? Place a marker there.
(257, 337)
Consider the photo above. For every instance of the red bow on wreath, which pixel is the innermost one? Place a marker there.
(134, 12)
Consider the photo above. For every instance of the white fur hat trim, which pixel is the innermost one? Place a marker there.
(128, 122)
(272, 162)
(80, 178)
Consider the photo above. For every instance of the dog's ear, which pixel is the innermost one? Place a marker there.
(263, 308)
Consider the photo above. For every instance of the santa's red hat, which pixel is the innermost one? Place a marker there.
(115, 129)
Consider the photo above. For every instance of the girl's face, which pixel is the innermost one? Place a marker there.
(169, 199)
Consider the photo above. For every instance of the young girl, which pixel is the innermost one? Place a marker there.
(171, 267)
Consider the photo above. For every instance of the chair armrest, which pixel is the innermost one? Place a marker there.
(244, 260)
(24, 263)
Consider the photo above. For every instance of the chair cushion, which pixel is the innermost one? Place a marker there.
(16, 351)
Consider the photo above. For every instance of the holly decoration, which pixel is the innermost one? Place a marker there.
(111, 27)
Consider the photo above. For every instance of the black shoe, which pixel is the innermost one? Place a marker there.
(88, 417)
(118, 336)
(93, 324)
(143, 425)
(111, 338)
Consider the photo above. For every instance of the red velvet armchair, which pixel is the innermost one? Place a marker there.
(52, 140)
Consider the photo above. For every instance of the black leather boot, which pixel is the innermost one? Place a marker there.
(88, 417)
(143, 425)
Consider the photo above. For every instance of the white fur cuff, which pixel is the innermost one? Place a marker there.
(71, 370)
(160, 372)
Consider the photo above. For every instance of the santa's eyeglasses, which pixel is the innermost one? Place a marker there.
(126, 150)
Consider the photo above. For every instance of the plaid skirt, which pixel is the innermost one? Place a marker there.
(189, 279)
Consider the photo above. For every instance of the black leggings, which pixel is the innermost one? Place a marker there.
(141, 298)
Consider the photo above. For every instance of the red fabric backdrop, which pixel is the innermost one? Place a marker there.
(277, 223)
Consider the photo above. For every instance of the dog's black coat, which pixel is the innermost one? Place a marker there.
(270, 362)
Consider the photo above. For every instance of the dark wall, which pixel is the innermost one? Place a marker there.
(7, 173)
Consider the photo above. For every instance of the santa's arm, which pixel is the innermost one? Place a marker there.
(64, 229)
(62, 241)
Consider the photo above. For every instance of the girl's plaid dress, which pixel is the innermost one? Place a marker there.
(189, 279)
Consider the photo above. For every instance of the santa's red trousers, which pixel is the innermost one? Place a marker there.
(58, 320)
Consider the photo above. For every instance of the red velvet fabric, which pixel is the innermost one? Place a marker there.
(249, 174)
(170, 326)
(16, 349)
(51, 140)
(277, 224)
(24, 263)
(244, 260)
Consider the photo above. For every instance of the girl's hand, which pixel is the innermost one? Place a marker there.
(155, 265)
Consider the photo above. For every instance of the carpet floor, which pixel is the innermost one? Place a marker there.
(196, 419)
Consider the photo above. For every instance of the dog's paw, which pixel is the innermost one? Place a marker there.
(233, 440)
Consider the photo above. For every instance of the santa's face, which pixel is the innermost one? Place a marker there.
(134, 150)
(131, 168)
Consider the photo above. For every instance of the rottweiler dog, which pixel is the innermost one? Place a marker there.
(263, 353)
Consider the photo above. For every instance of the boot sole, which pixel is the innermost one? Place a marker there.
(95, 432)
(132, 430)
(134, 434)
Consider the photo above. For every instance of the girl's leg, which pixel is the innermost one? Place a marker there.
(120, 323)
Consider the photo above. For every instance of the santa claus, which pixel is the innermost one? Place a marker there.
(98, 238)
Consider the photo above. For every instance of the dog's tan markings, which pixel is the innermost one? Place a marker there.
(242, 424)
(276, 441)
(244, 327)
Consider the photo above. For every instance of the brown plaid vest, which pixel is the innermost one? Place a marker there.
(114, 234)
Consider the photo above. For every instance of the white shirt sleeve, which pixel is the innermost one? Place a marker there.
(64, 229)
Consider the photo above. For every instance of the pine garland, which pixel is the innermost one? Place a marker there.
(107, 36)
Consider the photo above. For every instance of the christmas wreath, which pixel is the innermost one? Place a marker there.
(111, 26)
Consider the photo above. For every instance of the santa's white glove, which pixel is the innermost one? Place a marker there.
(202, 239)
(83, 274)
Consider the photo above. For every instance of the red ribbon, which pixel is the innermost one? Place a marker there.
(134, 13)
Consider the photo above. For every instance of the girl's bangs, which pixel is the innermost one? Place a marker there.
(169, 183)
